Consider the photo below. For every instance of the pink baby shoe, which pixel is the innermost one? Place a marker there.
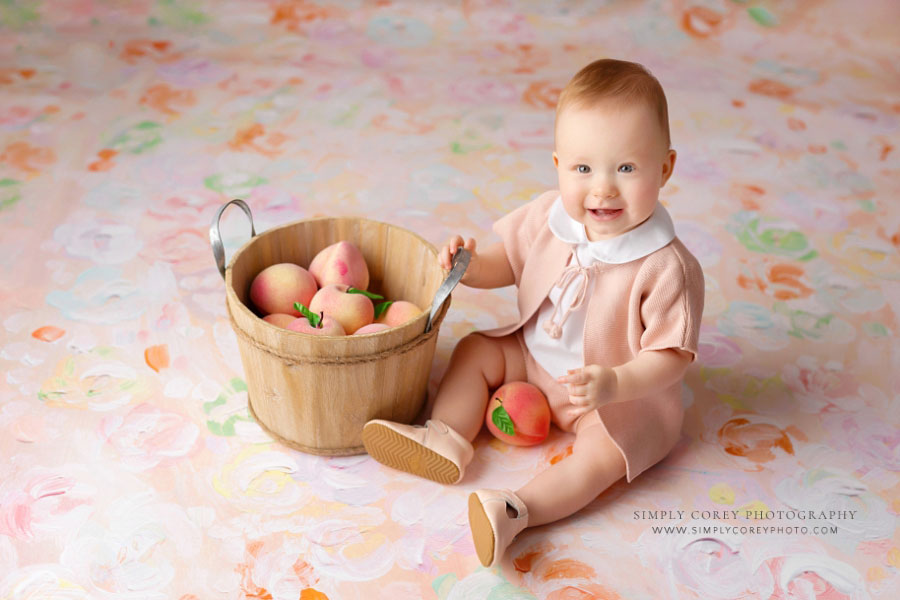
(492, 528)
(435, 451)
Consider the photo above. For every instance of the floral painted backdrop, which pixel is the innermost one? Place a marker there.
(130, 465)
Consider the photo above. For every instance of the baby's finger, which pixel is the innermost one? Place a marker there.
(453, 243)
(449, 250)
(577, 399)
(572, 376)
(444, 258)
(577, 389)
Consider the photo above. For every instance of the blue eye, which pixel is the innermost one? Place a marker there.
(583, 169)
(626, 169)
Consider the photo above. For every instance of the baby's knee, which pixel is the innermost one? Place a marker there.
(474, 343)
(596, 450)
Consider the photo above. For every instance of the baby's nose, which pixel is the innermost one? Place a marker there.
(605, 190)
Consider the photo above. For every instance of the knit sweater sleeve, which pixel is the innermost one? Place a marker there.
(672, 304)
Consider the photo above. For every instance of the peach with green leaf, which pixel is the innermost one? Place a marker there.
(350, 306)
(518, 414)
(315, 324)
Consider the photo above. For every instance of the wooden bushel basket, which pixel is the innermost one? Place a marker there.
(315, 393)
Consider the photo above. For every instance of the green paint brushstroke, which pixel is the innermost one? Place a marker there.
(18, 15)
(762, 16)
(10, 192)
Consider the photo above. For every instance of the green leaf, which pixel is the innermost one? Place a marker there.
(369, 295)
(503, 421)
(381, 307)
(314, 319)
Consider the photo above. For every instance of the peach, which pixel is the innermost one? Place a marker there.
(279, 319)
(398, 313)
(315, 324)
(518, 414)
(371, 328)
(341, 263)
(350, 307)
(277, 287)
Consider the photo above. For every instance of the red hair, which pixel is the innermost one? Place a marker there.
(618, 80)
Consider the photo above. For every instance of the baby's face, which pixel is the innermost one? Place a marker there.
(611, 161)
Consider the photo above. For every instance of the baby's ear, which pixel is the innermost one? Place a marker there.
(668, 166)
(555, 160)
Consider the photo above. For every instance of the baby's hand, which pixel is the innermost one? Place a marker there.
(589, 388)
(445, 256)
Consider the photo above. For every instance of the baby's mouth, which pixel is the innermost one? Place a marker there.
(605, 214)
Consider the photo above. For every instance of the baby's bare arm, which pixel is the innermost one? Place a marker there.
(492, 269)
(487, 269)
(650, 372)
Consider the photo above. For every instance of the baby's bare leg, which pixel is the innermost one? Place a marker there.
(478, 365)
(571, 484)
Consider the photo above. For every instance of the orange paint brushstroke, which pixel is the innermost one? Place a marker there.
(246, 138)
(26, 157)
(105, 163)
(748, 194)
(158, 50)
(48, 333)
(311, 594)
(568, 568)
(558, 457)
(700, 21)
(9, 76)
(796, 124)
(541, 94)
(771, 88)
(164, 98)
(788, 276)
(293, 14)
(590, 591)
(796, 432)
(754, 441)
(525, 561)
(157, 357)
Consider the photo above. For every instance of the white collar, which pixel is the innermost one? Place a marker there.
(646, 238)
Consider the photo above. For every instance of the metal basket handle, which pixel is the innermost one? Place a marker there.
(215, 238)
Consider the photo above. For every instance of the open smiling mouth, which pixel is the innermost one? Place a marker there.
(602, 214)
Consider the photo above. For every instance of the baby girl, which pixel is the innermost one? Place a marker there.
(610, 303)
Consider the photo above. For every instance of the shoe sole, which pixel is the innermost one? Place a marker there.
(482, 532)
(399, 452)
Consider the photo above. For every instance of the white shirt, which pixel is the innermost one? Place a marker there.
(567, 352)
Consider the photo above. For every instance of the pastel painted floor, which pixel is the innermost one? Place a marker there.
(130, 465)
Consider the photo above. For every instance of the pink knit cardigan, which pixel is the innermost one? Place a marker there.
(651, 303)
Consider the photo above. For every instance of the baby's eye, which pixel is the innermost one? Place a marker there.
(583, 169)
(626, 169)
